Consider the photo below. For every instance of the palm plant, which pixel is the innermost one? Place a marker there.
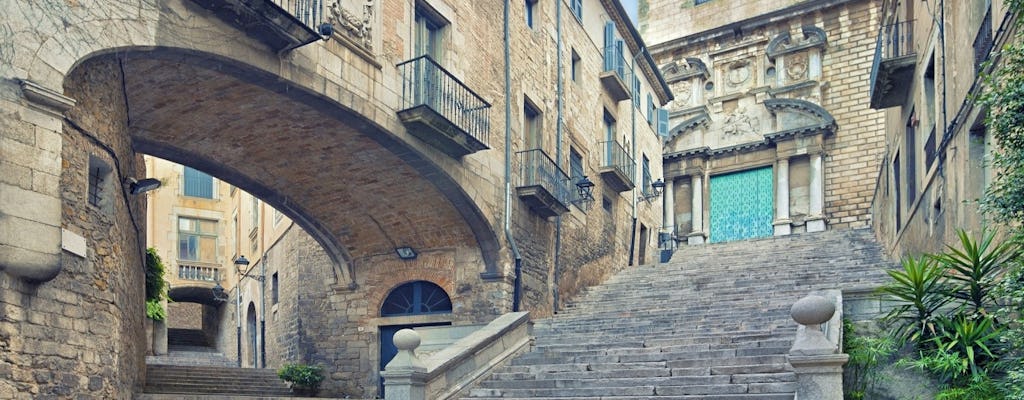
(976, 267)
(920, 290)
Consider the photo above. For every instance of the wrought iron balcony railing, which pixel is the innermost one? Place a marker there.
(893, 66)
(280, 24)
(442, 109)
(542, 184)
(198, 273)
(617, 166)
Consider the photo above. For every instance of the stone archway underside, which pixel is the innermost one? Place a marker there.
(347, 183)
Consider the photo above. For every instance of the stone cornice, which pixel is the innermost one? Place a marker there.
(45, 98)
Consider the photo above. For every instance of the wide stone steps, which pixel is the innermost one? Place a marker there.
(711, 324)
(205, 380)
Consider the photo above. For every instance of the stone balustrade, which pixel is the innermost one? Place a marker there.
(816, 355)
(448, 372)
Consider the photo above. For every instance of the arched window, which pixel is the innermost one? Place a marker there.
(419, 297)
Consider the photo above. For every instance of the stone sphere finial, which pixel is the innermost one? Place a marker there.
(812, 310)
(407, 339)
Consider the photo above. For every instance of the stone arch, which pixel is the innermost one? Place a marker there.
(153, 134)
(799, 117)
(180, 31)
(429, 296)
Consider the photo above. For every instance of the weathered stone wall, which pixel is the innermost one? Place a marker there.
(81, 334)
(664, 20)
(185, 315)
(923, 212)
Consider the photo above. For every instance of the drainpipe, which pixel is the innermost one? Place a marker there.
(558, 148)
(517, 285)
(636, 162)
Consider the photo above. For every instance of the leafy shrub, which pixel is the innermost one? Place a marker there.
(155, 310)
(302, 375)
(866, 353)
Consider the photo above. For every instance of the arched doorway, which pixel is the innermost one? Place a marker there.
(409, 299)
(250, 325)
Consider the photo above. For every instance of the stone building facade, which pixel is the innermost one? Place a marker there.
(770, 131)
(348, 138)
(938, 148)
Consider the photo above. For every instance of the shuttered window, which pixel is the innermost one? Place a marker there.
(198, 183)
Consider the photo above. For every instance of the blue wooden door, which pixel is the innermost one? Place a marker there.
(742, 205)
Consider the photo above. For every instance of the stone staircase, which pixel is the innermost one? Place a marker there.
(711, 324)
(193, 369)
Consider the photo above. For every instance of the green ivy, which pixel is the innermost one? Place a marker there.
(155, 310)
(156, 286)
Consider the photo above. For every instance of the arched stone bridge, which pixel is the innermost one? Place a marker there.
(313, 131)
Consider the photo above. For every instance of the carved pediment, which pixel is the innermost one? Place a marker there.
(798, 117)
(684, 69)
(784, 43)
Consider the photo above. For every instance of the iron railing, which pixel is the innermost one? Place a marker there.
(309, 12)
(425, 83)
(198, 273)
(537, 169)
(894, 40)
(616, 156)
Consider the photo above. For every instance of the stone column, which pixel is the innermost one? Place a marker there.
(818, 368)
(782, 222)
(668, 219)
(30, 196)
(697, 209)
(405, 377)
(816, 219)
(160, 337)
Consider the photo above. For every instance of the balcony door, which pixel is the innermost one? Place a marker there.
(428, 73)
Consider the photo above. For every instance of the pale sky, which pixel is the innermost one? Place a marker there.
(631, 9)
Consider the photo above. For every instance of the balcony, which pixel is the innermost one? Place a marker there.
(280, 24)
(617, 167)
(198, 273)
(615, 77)
(893, 69)
(440, 110)
(542, 184)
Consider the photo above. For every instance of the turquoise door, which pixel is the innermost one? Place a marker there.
(741, 205)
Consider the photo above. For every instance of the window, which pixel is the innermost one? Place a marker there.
(636, 91)
(428, 34)
(662, 122)
(278, 216)
(897, 204)
(910, 167)
(530, 9)
(577, 9)
(575, 166)
(647, 176)
(532, 126)
(606, 203)
(254, 211)
(983, 41)
(419, 297)
(575, 68)
(699, 2)
(234, 234)
(609, 137)
(930, 105)
(100, 184)
(273, 289)
(198, 184)
(650, 110)
(197, 239)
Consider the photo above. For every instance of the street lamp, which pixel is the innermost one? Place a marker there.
(656, 188)
(241, 263)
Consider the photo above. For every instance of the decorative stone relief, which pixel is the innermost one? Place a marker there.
(783, 43)
(683, 69)
(738, 73)
(740, 123)
(357, 28)
(796, 66)
(682, 90)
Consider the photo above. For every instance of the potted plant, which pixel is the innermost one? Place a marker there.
(303, 379)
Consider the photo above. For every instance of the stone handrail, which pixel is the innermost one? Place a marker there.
(816, 354)
(450, 371)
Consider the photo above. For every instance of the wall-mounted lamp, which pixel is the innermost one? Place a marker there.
(326, 30)
(219, 294)
(406, 253)
(143, 186)
(585, 190)
(657, 187)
